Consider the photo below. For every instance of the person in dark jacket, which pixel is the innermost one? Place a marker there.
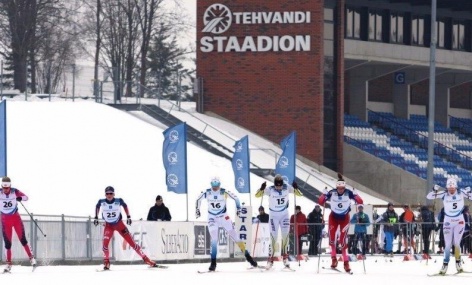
(427, 226)
(315, 228)
(389, 219)
(263, 217)
(159, 212)
(466, 240)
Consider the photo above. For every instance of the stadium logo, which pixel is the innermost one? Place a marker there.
(241, 183)
(172, 158)
(239, 164)
(217, 19)
(283, 162)
(239, 147)
(172, 180)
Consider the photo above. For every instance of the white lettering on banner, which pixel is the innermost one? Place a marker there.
(218, 19)
(272, 17)
(244, 229)
(174, 243)
(255, 44)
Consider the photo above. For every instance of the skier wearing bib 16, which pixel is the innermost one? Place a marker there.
(11, 220)
(278, 215)
(111, 213)
(217, 217)
(340, 200)
(453, 226)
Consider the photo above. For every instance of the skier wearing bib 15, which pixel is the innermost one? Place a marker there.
(11, 220)
(278, 215)
(453, 226)
(217, 217)
(340, 200)
(111, 213)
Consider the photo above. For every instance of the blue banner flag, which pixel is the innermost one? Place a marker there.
(3, 138)
(174, 156)
(287, 161)
(240, 164)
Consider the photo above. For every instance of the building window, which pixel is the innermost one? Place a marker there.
(353, 23)
(440, 32)
(396, 28)
(375, 26)
(417, 30)
(458, 35)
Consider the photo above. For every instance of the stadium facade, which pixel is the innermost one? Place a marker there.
(277, 66)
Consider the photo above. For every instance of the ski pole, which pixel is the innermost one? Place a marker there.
(34, 221)
(319, 246)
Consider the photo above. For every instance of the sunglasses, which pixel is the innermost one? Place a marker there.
(109, 193)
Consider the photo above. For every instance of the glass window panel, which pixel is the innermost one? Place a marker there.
(378, 27)
(371, 26)
(357, 25)
(461, 37)
(440, 33)
(328, 14)
(328, 48)
(393, 28)
(400, 29)
(455, 36)
(328, 31)
(349, 22)
(414, 31)
(420, 31)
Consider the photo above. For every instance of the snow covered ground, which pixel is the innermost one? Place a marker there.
(377, 271)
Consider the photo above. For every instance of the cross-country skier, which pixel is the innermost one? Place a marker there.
(11, 220)
(340, 200)
(217, 217)
(111, 213)
(278, 215)
(453, 226)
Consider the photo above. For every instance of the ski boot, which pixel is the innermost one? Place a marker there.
(250, 259)
(149, 262)
(334, 262)
(459, 266)
(7, 268)
(346, 266)
(33, 262)
(212, 265)
(285, 261)
(106, 264)
(443, 269)
(270, 263)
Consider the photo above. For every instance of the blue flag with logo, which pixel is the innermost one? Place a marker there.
(174, 156)
(287, 161)
(240, 164)
(3, 138)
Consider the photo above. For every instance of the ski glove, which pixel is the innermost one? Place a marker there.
(238, 212)
(95, 221)
(436, 188)
(197, 213)
(295, 185)
(19, 198)
(128, 220)
(263, 186)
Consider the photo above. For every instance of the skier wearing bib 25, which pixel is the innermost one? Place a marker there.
(340, 200)
(217, 217)
(11, 220)
(453, 226)
(111, 213)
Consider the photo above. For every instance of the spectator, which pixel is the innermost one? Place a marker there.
(439, 227)
(263, 217)
(389, 219)
(301, 227)
(427, 226)
(407, 219)
(315, 228)
(159, 212)
(361, 221)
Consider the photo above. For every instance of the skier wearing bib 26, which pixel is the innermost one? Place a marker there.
(111, 213)
(11, 220)
(217, 217)
(340, 200)
(453, 226)
(278, 215)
